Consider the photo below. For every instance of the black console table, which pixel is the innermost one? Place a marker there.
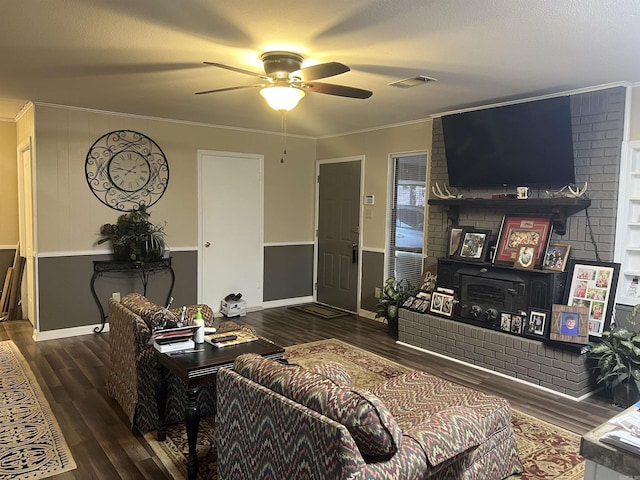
(144, 269)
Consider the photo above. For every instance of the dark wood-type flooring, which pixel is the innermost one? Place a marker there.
(72, 374)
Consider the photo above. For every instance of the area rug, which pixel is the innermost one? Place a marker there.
(319, 310)
(547, 452)
(31, 443)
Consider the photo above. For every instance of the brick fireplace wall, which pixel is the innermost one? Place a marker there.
(597, 123)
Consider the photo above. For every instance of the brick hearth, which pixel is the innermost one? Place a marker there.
(528, 360)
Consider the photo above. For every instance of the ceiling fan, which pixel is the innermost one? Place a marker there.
(285, 82)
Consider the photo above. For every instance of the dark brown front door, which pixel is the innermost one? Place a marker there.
(338, 234)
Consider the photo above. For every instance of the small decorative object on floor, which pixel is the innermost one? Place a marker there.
(233, 305)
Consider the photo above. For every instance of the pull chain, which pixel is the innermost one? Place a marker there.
(284, 135)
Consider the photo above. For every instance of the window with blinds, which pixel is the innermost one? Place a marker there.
(407, 218)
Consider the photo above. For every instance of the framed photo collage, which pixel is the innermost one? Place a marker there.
(524, 243)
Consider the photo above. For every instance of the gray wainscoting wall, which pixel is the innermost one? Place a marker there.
(288, 272)
(65, 294)
(372, 278)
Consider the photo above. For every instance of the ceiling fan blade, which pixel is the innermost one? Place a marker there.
(338, 90)
(236, 69)
(239, 87)
(322, 70)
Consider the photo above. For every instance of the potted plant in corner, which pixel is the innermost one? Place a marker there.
(134, 238)
(393, 295)
(617, 360)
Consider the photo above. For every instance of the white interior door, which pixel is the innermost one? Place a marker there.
(26, 226)
(230, 250)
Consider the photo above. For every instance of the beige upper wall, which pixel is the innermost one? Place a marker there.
(376, 146)
(634, 119)
(65, 135)
(8, 184)
(69, 215)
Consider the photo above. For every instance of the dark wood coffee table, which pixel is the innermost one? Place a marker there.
(194, 369)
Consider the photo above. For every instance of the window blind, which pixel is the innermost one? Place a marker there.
(406, 236)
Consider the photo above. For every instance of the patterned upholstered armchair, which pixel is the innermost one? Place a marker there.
(286, 421)
(132, 378)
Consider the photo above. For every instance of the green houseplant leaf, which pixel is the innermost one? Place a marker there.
(616, 356)
(134, 238)
(393, 295)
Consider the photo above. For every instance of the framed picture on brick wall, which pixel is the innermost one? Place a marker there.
(473, 245)
(409, 301)
(455, 238)
(525, 257)
(442, 303)
(570, 324)
(505, 321)
(518, 321)
(592, 285)
(537, 325)
(517, 231)
(556, 256)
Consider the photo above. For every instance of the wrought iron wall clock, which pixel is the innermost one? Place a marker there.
(126, 169)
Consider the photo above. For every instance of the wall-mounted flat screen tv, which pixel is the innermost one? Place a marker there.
(524, 144)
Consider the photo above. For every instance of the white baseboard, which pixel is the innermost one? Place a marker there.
(369, 315)
(88, 329)
(67, 332)
(287, 302)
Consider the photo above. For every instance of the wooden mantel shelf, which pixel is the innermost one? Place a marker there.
(561, 208)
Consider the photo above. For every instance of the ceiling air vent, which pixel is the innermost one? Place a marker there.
(412, 82)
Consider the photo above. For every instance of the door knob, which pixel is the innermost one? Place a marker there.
(207, 244)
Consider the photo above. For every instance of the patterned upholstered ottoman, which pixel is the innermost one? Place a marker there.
(285, 421)
(445, 417)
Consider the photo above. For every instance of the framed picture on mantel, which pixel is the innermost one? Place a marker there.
(473, 245)
(592, 284)
(517, 231)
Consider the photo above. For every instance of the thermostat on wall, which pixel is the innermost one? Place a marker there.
(369, 199)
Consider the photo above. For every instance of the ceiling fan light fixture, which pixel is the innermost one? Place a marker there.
(282, 98)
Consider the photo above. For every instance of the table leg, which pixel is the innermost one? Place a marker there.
(192, 421)
(161, 401)
(103, 317)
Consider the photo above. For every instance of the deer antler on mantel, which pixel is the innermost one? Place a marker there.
(569, 191)
(446, 194)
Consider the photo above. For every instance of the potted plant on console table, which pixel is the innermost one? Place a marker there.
(394, 293)
(617, 360)
(134, 238)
